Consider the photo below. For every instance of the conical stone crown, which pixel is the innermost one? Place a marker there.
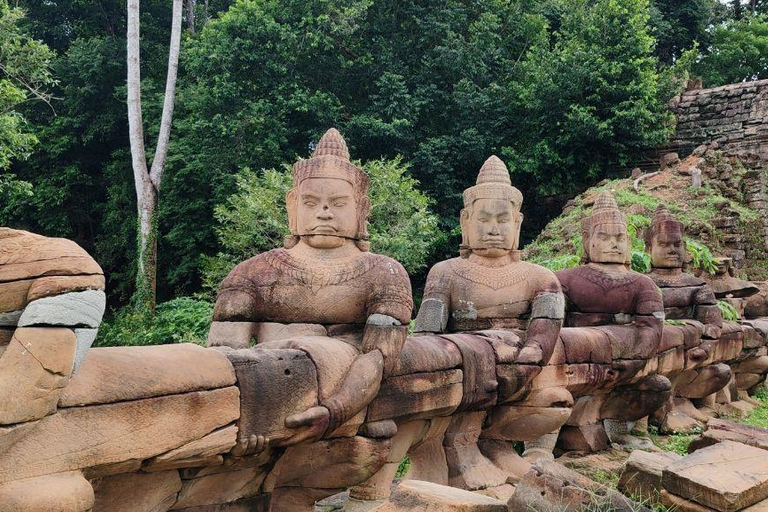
(332, 143)
(493, 182)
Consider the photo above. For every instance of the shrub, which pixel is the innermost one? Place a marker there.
(181, 320)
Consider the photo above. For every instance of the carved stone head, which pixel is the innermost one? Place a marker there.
(604, 234)
(329, 202)
(664, 240)
(491, 218)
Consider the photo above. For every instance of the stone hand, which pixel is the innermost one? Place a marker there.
(530, 355)
(250, 444)
(311, 423)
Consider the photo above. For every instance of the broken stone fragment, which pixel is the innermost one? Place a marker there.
(727, 477)
(641, 476)
(419, 496)
(137, 492)
(63, 492)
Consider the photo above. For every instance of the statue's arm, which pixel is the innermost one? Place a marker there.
(707, 312)
(649, 317)
(233, 313)
(436, 304)
(547, 314)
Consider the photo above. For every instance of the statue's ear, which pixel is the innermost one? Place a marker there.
(518, 223)
(363, 211)
(291, 205)
(464, 224)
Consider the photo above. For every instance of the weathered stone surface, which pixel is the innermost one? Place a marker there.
(118, 468)
(116, 374)
(33, 370)
(85, 338)
(330, 464)
(220, 488)
(679, 504)
(190, 462)
(237, 335)
(10, 318)
(13, 295)
(82, 437)
(468, 468)
(64, 492)
(137, 492)
(584, 438)
(723, 430)
(523, 423)
(218, 441)
(641, 476)
(728, 476)
(274, 384)
(420, 395)
(550, 487)
(423, 354)
(272, 331)
(419, 496)
(57, 285)
(74, 309)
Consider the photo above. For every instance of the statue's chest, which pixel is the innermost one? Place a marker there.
(470, 299)
(328, 304)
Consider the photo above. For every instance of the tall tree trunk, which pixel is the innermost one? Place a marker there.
(191, 15)
(737, 9)
(147, 181)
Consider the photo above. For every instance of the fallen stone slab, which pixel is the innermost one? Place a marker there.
(137, 492)
(419, 496)
(118, 374)
(723, 430)
(64, 492)
(220, 488)
(727, 476)
(551, 487)
(641, 476)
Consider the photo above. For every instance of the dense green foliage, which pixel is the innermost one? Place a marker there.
(181, 320)
(739, 51)
(254, 220)
(566, 92)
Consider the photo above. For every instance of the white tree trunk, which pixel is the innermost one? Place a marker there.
(148, 182)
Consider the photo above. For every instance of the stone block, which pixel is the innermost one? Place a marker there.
(220, 488)
(75, 309)
(423, 354)
(83, 437)
(584, 438)
(723, 430)
(641, 476)
(512, 422)
(217, 442)
(136, 492)
(421, 395)
(117, 374)
(236, 335)
(679, 504)
(85, 338)
(550, 487)
(419, 496)
(727, 476)
(33, 371)
(63, 492)
(274, 384)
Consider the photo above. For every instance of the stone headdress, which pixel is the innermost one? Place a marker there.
(330, 160)
(493, 182)
(662, 222)
(604, 211)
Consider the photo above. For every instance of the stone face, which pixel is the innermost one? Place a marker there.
(419, 496)
(641, 476)
(136, 492)
(64, 492)
(33, 371)
(116, 374)
(83, 437)
(74, 309)
(727, 476)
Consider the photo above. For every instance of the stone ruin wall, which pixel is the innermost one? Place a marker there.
(734, 119)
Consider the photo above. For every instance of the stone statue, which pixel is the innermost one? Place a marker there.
(614, 315)
(322, 294)
(690, 303)
(488, 290)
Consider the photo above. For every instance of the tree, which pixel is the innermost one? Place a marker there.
(738, 52)
(679, 24)
(24, 76)
(254, 219)
(590, 100)
(149, 180)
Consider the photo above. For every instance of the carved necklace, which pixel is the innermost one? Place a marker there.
(318, 273)
(492, 277)
(604, 280)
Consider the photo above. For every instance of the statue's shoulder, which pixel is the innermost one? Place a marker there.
(258, 270)
(541, 277)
